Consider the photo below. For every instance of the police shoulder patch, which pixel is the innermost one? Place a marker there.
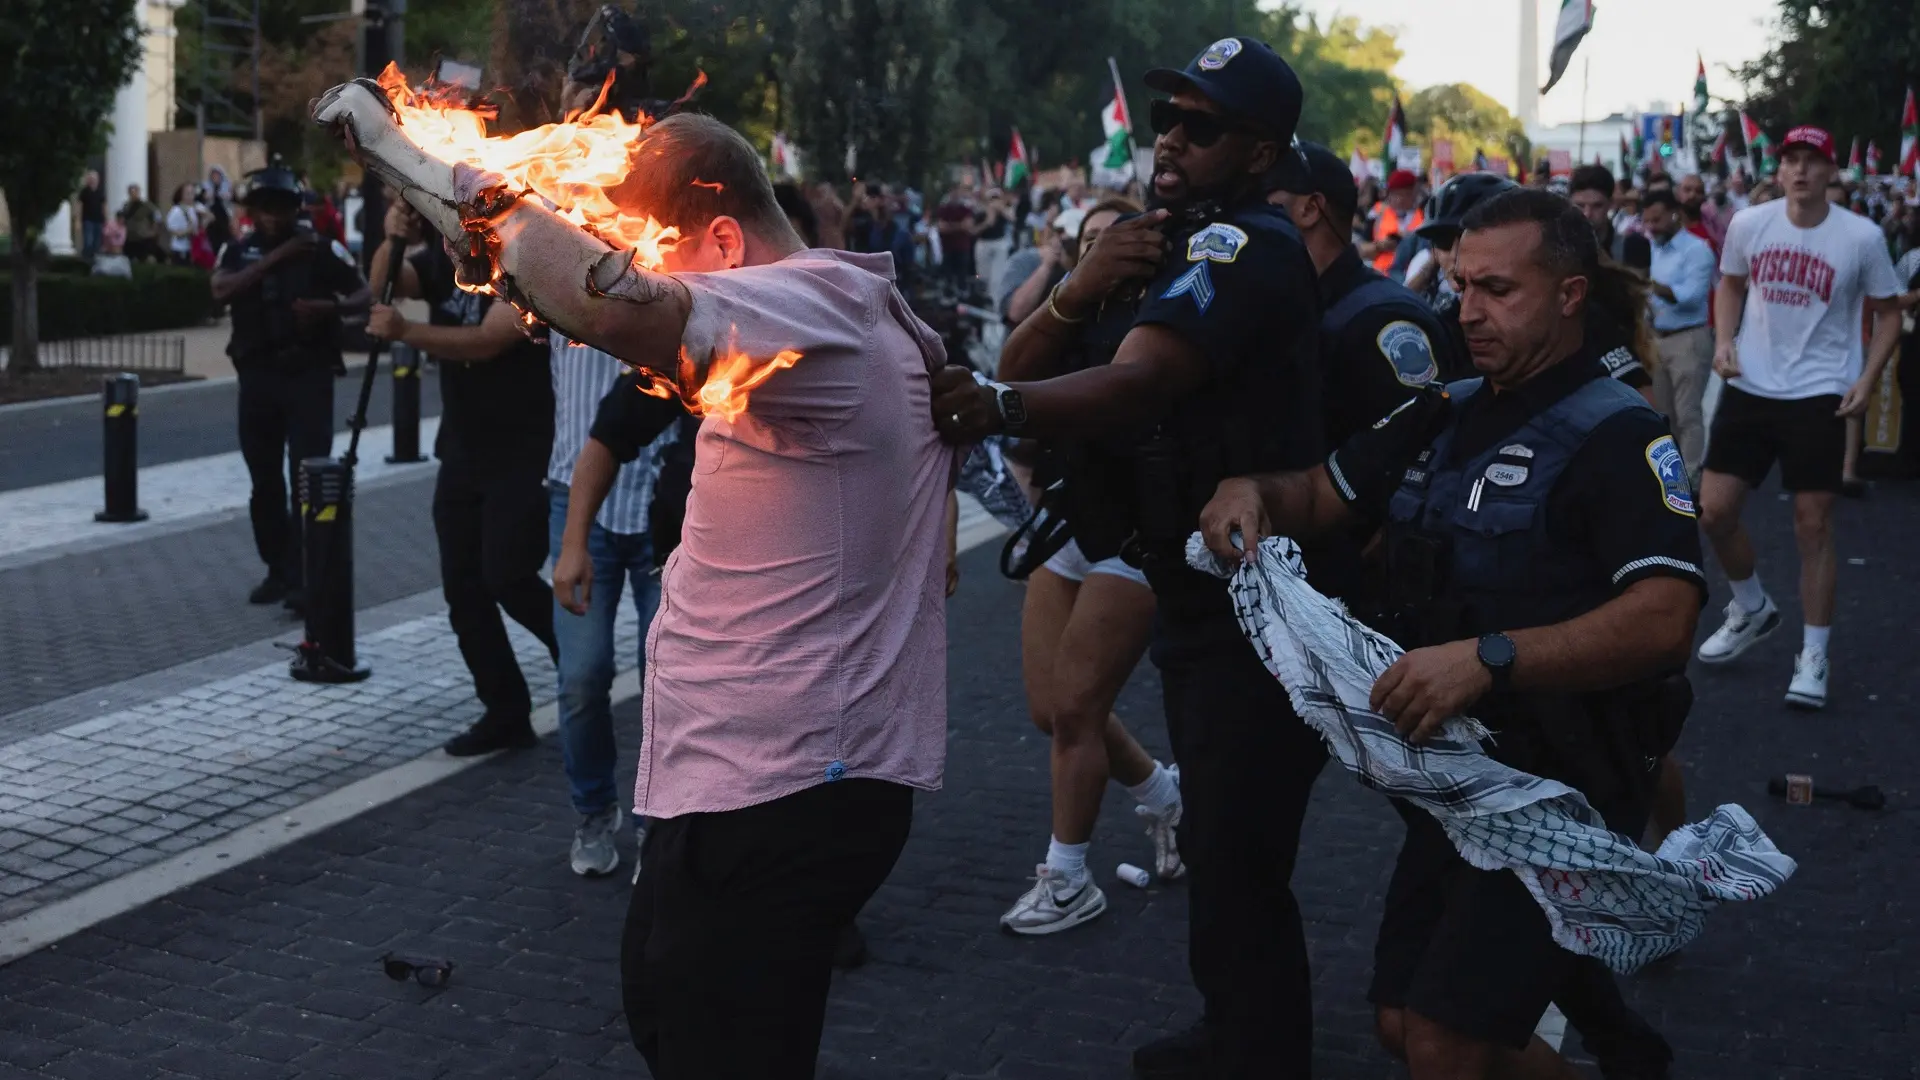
(1218, 242)
(1219, 53)
(1406, 347)
(1194, 283)
(1663, 457)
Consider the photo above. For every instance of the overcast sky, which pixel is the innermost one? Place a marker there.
(1641, 50)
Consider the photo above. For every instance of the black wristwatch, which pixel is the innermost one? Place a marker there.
(1497, 653)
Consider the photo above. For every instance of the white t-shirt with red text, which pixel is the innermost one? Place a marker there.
(1800, 331)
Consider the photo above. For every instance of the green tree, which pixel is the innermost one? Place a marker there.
(1473, 121)
(872, 78)
(61, 63)
(1347, 70)
(1842, 64)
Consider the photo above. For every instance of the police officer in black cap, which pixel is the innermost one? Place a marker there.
(1543, 570)
(1221, 367)
(287, 289)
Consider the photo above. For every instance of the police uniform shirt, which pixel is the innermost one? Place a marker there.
(1624, 497)
(501, 407)
(1380, 358)
(1241, 290)
(265, 330)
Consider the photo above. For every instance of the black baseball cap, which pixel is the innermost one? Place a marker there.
(1247, 78)
(1324, 175)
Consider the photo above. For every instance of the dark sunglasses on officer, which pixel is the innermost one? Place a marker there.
(1203, 129)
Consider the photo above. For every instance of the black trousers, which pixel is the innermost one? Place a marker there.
(491, 521)
(728, 950)
(1247, 766)
(284, 417)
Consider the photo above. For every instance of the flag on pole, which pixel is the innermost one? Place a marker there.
(1757, 144)
(1357, 165)
(1853, 160)
(1117, 123)
(1719, 155)
(1396, 133)
(1626, 156)
(1873, 158)
(1639, 145)
(1576, 18)
(1700, 116)
(1909, 139)
(1018, 168)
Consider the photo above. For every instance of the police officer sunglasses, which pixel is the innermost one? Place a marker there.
(1203, 128)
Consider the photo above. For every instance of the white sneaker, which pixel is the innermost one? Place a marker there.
(1742, 630)
(1056, 902)
(594, 851)
(1808, 690)
(1166, 851)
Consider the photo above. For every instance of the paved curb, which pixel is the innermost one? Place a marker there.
(44, 926)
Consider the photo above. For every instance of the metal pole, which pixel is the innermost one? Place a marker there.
(1586, 77)
(120, 464)
(259, 117)
(406, 405)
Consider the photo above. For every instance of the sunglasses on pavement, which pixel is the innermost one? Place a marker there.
(431, 973)
(1203, 128)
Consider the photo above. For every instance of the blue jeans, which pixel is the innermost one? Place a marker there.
(90, 238)
(586, 653)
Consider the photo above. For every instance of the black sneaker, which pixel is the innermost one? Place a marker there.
(491, 733)
(1187, 1055)
(270, 591)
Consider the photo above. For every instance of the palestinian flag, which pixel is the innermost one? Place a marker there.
(1396, 134)
(1639, 145)
(1118, 126)
(1700, 117)
(1853, 160)
(1018, 168)
(1626, 157)
(1873, 158)
(1719, 154)
(1757, 142)
(1909, 139)
(1576, 18)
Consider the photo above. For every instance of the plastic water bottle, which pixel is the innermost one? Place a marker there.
(1133, 875)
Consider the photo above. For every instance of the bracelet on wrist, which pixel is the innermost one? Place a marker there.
(1055, 311)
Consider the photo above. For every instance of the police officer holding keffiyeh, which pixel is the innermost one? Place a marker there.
(1542, 569)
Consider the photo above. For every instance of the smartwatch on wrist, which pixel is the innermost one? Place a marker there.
(1013, 411)
(1496, 653)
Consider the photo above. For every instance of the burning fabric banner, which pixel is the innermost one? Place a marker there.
(1603, 895)
(536, 207)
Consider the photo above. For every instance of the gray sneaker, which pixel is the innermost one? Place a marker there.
(594, 851)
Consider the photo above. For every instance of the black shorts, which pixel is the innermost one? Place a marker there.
(1750, 433)
(1468, 949)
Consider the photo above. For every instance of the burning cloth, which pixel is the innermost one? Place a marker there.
(1603, 896)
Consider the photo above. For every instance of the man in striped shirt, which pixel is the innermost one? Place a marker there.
(619, 557)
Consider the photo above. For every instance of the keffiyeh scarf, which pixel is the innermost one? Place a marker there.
(1603, 896)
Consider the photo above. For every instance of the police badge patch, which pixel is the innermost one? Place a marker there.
(1406, 347)
(1663, 457)
(1218, 242)
(1219, 53)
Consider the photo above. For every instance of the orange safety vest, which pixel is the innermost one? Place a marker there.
(1386, 225)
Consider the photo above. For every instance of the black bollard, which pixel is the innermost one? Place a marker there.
(326, 518)
(121, 465)
(406, 405)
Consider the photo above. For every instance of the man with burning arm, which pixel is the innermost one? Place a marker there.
(795, 690)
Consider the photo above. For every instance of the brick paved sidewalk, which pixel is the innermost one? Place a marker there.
(270, 969)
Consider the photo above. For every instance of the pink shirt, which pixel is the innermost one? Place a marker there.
(802, 636)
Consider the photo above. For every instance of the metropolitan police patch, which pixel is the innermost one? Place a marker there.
(1406, 347)
(1219, 53)
(1663, 457)
(1218, 242)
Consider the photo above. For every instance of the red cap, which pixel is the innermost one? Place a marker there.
(1401, 179)
(1815, 139)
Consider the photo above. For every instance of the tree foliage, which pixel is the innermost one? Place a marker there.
(61, 63)
(1473, 121)
(1842, 64)
(1347, 70)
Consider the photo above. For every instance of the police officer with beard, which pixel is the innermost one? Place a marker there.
(287, 288)
(1543, 570)
(1220, 367)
